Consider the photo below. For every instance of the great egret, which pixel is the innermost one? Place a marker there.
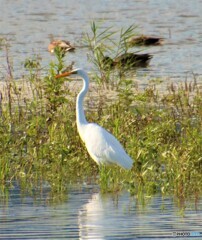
(64, 45)
(102, 146)
(128, 59)
(145, 40)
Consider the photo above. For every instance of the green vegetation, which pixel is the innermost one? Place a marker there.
(161, 132)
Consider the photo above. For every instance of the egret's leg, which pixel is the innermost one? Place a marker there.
(104, 177)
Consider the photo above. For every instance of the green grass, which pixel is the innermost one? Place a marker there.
(161, 132)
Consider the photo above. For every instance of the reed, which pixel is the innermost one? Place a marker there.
(40, 143)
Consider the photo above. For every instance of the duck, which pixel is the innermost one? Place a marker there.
(131, 60)
(143, 40)
(63, 44)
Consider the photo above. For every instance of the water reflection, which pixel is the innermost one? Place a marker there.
(88, 214)
(107, 217)
(120, 217)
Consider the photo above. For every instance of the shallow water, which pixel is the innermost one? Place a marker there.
(87, 214)
(29, 25)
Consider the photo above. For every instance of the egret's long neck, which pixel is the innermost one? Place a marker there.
(80, 115)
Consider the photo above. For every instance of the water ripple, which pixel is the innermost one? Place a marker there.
(87, 214)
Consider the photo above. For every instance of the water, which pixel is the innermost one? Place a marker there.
(29, 25)
(87, 214)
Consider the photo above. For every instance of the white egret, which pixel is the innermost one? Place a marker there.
(102, 146)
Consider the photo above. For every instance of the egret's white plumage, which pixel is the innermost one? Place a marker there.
(102, 146)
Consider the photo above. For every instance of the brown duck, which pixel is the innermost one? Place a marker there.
(64, 45)
(145, 41)
(132, 60)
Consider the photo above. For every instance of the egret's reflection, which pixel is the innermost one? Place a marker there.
(103, 217)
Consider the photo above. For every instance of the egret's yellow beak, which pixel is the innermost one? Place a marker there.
(65, 74)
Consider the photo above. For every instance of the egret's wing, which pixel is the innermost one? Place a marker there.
(105, 148)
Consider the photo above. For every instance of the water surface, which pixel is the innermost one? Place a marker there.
(30, 24)
(88, 214)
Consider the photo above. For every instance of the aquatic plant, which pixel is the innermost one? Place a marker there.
(104, 47)
(162, 132)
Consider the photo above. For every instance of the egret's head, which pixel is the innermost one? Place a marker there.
(80, 72)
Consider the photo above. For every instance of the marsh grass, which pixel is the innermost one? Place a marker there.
(161, 132)
(102, 44)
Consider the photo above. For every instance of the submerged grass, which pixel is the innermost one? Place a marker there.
(161, 132)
